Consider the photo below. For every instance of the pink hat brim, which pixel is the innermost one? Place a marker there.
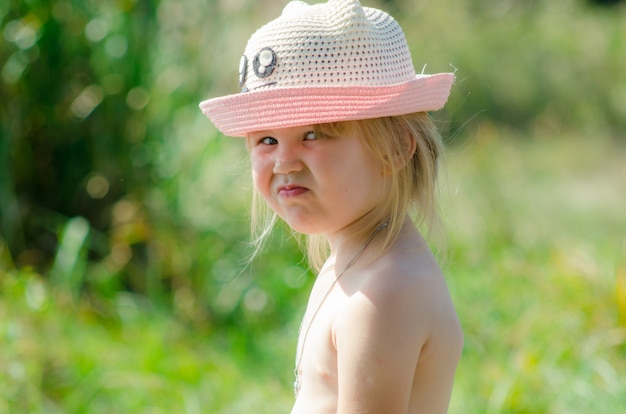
(260, 110)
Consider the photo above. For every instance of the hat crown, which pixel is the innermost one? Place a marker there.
(338, 43)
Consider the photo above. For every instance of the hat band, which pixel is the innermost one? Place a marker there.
(237, 115)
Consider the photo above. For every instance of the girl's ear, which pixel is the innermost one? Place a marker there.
(411, 147)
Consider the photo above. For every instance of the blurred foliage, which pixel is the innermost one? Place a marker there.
(119, 201)
(113, 181)
(537, 269)
(538, 66)
(538, 273)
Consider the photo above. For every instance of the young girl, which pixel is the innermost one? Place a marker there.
(343, 150)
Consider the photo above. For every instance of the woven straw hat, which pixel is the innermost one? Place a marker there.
(328, 62)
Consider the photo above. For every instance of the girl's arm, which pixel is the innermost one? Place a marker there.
(379, 338)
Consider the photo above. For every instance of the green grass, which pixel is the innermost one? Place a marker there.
(536, 267)
(536, 223)
(537, 241)
(64, 358)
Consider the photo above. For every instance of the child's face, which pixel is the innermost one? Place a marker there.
(316, 184)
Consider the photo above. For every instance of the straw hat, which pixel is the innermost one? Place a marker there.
(328, 62)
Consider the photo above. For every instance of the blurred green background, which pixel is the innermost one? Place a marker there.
(124, 283)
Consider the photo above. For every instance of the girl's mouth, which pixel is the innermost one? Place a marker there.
(288, 191)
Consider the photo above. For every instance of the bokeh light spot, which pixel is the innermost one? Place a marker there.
(96, 29)
(98, 186)
(116, 46)
(87, 101)
(137, 98)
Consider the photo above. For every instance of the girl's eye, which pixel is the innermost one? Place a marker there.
(310, 136)
(268, 141)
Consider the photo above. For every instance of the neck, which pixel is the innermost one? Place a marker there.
(346, 247)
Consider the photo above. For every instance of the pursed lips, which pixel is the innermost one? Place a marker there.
(291, 190)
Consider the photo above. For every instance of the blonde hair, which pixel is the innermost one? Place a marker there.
(413, 180)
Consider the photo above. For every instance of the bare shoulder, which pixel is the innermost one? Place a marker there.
(397, 336)
(408, 278)
(406, 288)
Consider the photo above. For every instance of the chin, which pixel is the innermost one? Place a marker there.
(303, 228)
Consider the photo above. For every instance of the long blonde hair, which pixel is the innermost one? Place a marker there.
(413, 180)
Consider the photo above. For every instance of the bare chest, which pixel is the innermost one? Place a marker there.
(316, 356)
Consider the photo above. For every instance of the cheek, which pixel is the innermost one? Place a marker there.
(363, 170)
(261, 173)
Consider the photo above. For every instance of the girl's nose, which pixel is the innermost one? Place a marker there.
(287, 161)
